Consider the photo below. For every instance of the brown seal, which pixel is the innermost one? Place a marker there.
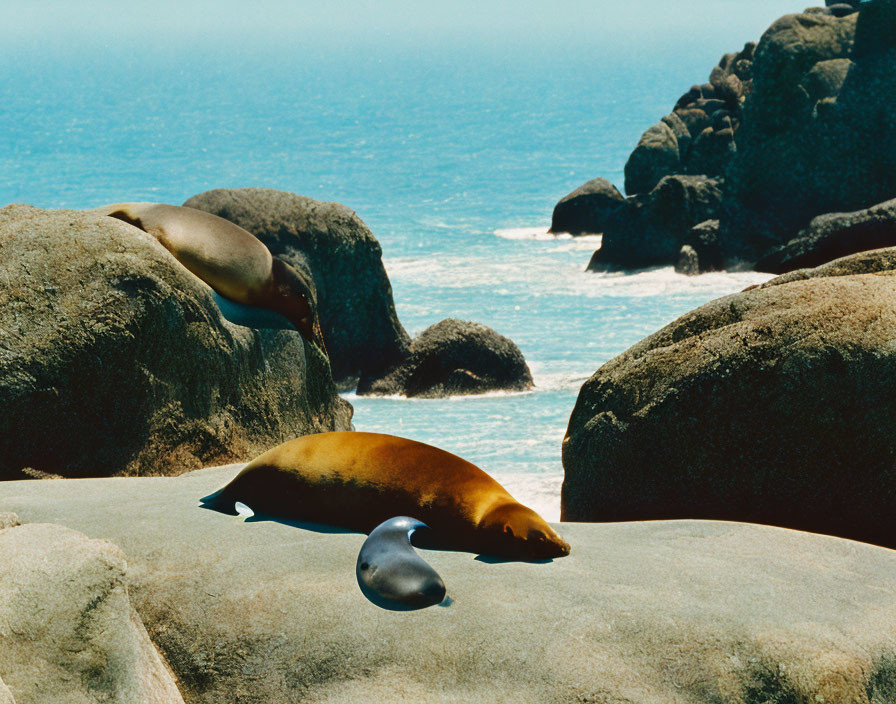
(358, 480)
(231, 260)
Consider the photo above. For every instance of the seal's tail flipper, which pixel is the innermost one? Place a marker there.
(219, 501)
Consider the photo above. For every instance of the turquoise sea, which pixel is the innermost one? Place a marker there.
(452, 149)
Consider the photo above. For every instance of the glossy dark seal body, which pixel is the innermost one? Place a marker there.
(358, 480)
(390, 572)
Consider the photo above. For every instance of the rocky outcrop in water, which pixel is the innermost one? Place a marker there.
(331, 243)
(774, 405)
(650, 229)
(587, 209)
(791, 128)
(366, 342)
(114, 359)
(68, 629)
(660, 612)
(455, 357)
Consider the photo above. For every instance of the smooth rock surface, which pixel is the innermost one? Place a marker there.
(114, 359)
(5, 694)
(684, 612)
(776, 405)
(68, 632)
(357, 314)
(455, 357)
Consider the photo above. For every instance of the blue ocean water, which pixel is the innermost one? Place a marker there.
(453, 154)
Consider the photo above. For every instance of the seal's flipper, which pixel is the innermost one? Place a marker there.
(220, 502)
(250, 316)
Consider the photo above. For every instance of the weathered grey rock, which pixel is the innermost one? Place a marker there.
(653, 613)
(114, 359)
(68, 630)
(357, 315)
(455, 357)
(688, 262)
(587, 208)
(649, 230)
(704, 239)
(775, 405)
(655, 156)
(5, 694)
(832, 236)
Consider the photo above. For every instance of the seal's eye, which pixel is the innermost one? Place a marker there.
(364, 565)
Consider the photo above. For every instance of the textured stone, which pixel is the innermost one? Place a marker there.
(647, 613)
(834, 235)
(774, 405)
(114, 359)
(655, 156)
(649, 230)
(68, 630)
(357, 314)
(587, 208)
(455, 357)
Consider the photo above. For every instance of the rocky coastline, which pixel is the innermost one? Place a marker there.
(788, 129)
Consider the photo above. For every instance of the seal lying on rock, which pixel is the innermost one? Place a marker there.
(358, 480)
(232, 261)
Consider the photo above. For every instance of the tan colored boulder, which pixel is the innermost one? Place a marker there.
(68, 632)
(684, 612)
(776, 405)
(114, 359)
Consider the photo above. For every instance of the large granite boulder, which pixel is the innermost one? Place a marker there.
(818, 134)
(653, 613)
(114, 359)
(650, 229)
(586, 209)
(832, 236)
(357, 315)
(455, 357)
(774, 405)
(68, 631)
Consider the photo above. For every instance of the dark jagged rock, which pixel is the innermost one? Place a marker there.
(454, 357)
(656, 156)
(586, 209)
(703, 238)
(649, 230)
(115, 360)
(357, 315)
(832, 236)
(776, 405)
(816, 136)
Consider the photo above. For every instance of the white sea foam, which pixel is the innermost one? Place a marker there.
(538, 491)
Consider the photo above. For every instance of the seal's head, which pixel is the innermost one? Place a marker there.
(293, 296)
(518, 532)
